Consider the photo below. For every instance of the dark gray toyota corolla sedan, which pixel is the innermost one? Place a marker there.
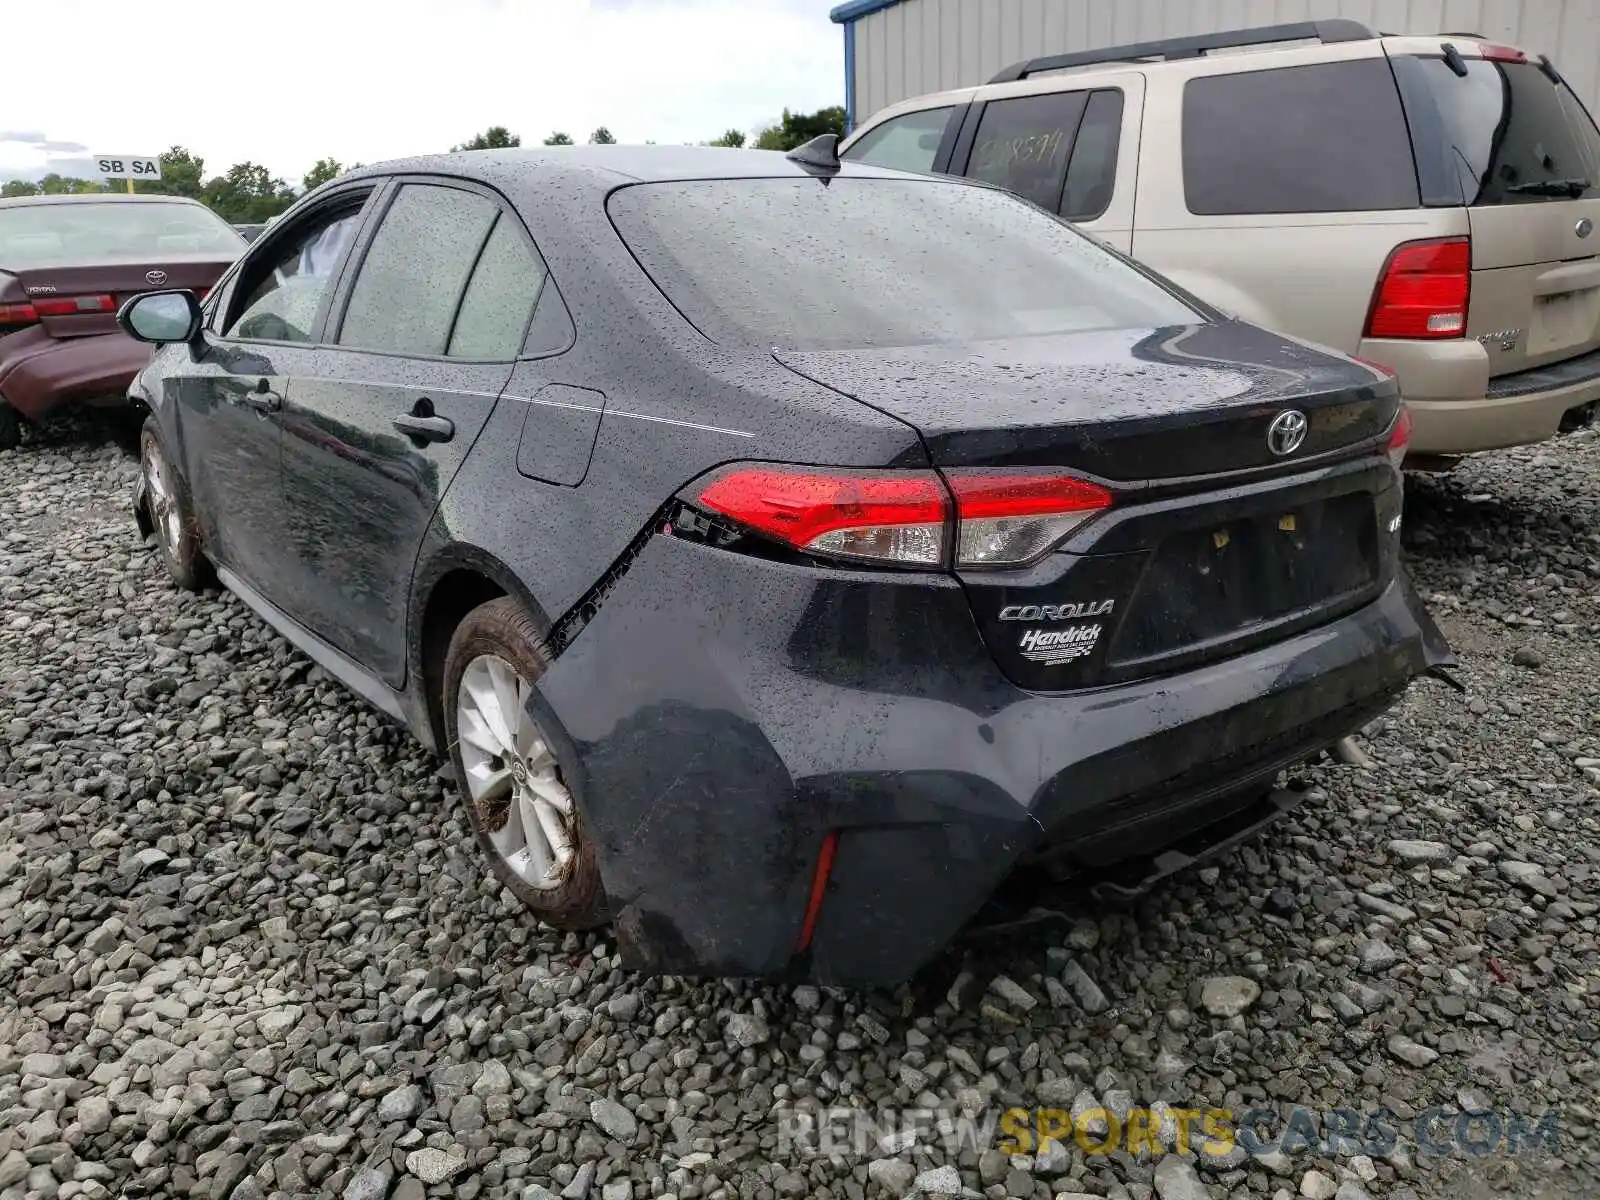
(784, 554)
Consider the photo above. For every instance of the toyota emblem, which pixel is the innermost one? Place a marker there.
(155, 277)
(1584, 227)
(1287, 432)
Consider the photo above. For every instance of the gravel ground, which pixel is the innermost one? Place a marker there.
(247, 948)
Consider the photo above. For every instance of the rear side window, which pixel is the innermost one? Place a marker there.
(858, 263)
(411, 281)
(1330, 137)
(1505, 133)
(1092, 172)
(1023, 145)
(908, 143)
(500, 298)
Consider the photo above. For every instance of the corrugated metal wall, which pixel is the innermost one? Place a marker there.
(927, 45)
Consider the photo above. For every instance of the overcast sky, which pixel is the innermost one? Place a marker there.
(286, 82)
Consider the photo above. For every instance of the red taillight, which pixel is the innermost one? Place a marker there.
(1000, 517)
(892, 516)
(1009, 517)
(1400, 437)
(819, 887)
(72, 306)
(1423, 291)
(18, 314)
(1503, 54)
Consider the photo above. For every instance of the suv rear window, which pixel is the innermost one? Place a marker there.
(1504, 133)
(1330, 137)
(857, 263)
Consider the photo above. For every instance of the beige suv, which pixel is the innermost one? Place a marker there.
(1425, 203)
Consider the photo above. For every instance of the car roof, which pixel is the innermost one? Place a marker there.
(95, 198)
(606, 167)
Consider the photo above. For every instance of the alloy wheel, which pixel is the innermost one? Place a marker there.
(511, 774)
(163, 499)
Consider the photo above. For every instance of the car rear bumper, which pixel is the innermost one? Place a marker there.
(1457, 408)
(39, 373)
(722, 715)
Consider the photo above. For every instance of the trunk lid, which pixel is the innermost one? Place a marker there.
(1129, 406)
(1205, 551)
(119, 280)
(1526, 158)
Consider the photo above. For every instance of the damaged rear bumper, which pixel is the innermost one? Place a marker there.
(39, 373)
(724, 715)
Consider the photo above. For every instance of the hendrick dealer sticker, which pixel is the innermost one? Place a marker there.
(1052, 647)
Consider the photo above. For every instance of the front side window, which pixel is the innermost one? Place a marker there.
(87, 232)
(857, 263)
(411, 281)
(1329, 137)
(283, 292)
(908, 143)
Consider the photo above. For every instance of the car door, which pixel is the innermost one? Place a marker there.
(230, 396)
(427, 331)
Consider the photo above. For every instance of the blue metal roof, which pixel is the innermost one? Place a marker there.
(854, 10)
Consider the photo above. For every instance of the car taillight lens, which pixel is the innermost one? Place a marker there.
(904, 518)
(1400, 437)
(72, 306)
(1010, 517)
(18, 314)
(888, 516)
(1423, 291)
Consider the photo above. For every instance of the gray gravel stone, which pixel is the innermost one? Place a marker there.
(1228, 995)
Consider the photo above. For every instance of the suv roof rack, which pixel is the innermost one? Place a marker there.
(1337, 30)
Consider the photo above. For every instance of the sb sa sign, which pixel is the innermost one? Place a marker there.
(128, 166)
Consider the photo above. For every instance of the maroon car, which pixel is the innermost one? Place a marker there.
(66, 265)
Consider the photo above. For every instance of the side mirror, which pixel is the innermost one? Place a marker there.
(161, 317)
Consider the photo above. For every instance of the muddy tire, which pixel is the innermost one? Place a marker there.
(10, 427)
(522, 814)
(177, 531)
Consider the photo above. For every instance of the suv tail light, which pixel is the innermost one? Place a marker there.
(72, 306)
(1423, 291)
(977, 517)
(1400, 437)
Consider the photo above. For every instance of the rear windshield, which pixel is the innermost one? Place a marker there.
(85, 234)
(857, 263)
(1504, 133)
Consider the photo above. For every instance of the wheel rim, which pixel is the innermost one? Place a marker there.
(511, 775)
(163, 499)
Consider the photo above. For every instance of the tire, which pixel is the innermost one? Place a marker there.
(176, 529)
(10, 427)
(495, 657)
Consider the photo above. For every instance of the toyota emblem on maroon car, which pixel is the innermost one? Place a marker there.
(1287, 431)
(155, 277)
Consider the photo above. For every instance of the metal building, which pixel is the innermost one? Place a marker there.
(894, 49)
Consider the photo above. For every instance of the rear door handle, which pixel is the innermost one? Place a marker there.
(425, 429)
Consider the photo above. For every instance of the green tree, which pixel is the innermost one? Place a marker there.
(496, 137)
(57, 185)
(18, 187)
(558, 139)
(734, 138)
(600, 137)
(324, 170)
(182, 174)
(248, 193)
(796, 129)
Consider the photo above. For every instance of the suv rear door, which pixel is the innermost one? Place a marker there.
(1505, 137)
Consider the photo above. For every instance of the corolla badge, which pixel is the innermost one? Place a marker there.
(155, 277)
(1287, 432)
